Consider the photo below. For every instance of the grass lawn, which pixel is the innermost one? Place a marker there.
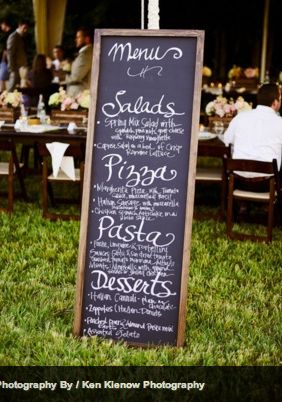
(234, 301)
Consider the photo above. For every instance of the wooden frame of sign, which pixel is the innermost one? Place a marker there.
(138, 197)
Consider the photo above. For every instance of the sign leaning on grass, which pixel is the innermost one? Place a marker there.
(139, 186)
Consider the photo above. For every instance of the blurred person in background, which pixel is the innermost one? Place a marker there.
(59, 65)
(6, 29)
(39, 81)
(79, 77)
(17, 55)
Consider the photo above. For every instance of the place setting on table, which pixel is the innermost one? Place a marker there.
(32, 134)
(66, 115)
(210, 133)
(32, 124)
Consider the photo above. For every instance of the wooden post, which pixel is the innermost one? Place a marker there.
(264, 41)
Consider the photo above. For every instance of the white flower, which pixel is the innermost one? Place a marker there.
(241, 105)
(54, 99)
(210, 109)
(83, 99)
(12, 99)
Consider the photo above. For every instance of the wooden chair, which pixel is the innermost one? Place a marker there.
(9, 170)
(48, 179)
(214, 174)
(269, 195)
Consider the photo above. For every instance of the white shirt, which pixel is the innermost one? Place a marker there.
(256, 134)
(57, 64)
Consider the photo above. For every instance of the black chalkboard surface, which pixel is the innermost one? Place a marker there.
(139, 186)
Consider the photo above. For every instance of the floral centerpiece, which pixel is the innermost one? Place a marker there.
(251, 72)
(11, 99)
(60, 100)
(206, 75)
(235, 72)
(246, 78)
(66, 108)
(224, 110)
(222, 107)
(206, 72)
(10, 103)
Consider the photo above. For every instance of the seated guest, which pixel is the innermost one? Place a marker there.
(79, 78)
(257, 134)
(39, 80)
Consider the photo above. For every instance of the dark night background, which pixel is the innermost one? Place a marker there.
(233, 30)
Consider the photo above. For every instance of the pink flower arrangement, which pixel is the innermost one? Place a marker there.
(251, 72)
(64, 102)
(223, 107)
(237, 72)
(69, 104)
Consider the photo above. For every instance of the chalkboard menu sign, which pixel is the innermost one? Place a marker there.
(139, 186)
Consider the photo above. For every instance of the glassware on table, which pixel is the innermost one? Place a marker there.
(84, 121)
(218, 127)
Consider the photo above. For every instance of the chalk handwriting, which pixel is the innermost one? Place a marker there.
(144, 71)
(127, 52)
(131, 232)
(154, 287)
(114, 109)
(144, 176)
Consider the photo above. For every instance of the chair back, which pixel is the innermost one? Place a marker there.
(262, 188)
(214, 174)
(214, 151)
(9, 170)
(9, 146)
(77, 151)
(247, 165)
(266, 170)
(6, 145)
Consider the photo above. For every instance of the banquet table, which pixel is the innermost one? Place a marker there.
(79, 137)
(31, 138)
(209, 144)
